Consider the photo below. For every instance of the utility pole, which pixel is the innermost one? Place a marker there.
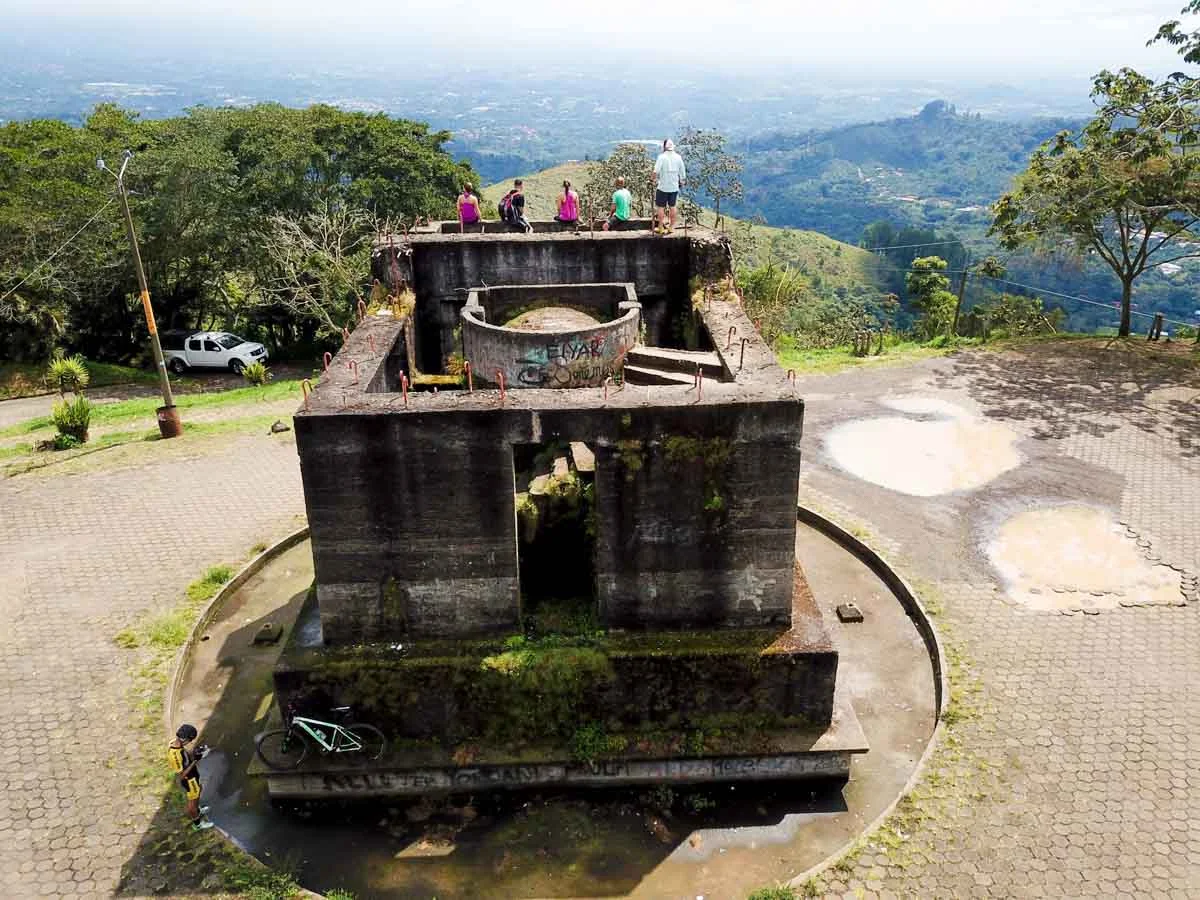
(169, 424)
(962, 289)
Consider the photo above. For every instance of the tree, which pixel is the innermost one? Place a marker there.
(1173, 33)
(319, 264)
(930, 293)
(1125, 188)
(628, 161)
(712, 172)
(209, 188)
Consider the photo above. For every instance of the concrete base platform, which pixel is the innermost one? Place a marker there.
(792, 755)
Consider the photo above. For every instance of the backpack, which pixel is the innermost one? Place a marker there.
(505, 208)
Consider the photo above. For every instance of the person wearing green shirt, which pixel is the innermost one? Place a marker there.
(622, 200)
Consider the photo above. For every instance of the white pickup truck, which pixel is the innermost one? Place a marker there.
(185, 350)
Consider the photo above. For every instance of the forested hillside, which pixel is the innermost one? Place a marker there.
(258, 219)
(938, 167)
(932, 178)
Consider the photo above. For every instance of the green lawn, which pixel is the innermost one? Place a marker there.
(835, 359)
(25, 379)
(141, 410)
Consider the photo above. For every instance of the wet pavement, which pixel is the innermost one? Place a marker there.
(721, 842)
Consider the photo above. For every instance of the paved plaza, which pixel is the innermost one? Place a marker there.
(1072, 767)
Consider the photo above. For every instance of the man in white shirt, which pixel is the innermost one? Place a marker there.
(669, 175)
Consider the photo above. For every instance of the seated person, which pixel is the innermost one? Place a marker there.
(468, 207)
(512, 207)
(622, 201)
(568, 206)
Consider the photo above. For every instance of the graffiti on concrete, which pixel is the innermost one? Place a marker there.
(585, 773)
(572, 362)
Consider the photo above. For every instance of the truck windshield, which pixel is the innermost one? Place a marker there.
(228, 341)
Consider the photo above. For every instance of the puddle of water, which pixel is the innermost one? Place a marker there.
(955, 451)
(1073, 556)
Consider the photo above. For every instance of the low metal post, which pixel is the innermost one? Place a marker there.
(352, 365)
(362, 310)
(500, 381)
(327, 359)
(470, 380)
(404, 388)
(742, 358)
(729, 337)
(306, 389)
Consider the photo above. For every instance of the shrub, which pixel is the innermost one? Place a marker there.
(256, 374)
(72, 417)
(67, 373)
(64, 442)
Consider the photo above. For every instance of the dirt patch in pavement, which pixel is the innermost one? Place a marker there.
(1076, 557)
(938, 448)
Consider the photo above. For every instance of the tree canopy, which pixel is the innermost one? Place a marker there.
(1126, 188)
(210, 191)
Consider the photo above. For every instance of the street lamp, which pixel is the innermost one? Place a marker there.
(169, 424)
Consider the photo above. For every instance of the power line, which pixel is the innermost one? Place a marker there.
(63, 247)
(911, 246)
(1029, 287)
(1107, 306)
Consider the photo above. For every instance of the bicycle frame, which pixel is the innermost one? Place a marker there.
(339, 739)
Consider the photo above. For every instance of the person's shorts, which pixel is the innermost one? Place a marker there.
(191, 788)
(616, 224)
(665, 198)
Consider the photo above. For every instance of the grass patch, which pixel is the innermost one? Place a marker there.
(129, 412)
(156, 639)
(30, 459)
(777, 893)
(837, 359)
(26, 379)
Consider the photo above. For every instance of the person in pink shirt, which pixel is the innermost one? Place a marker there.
(468, 207)
(568, 206)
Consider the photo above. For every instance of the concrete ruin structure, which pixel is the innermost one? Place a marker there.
(551, 497)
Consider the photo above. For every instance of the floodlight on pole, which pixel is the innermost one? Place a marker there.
(169, 424)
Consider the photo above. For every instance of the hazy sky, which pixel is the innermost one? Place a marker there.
(1013, 39)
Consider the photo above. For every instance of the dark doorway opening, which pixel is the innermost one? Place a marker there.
(555, 504)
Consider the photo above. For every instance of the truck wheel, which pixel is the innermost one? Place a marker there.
(237, 365)
(177, 365)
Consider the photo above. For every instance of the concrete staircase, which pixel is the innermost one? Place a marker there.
(664, 366)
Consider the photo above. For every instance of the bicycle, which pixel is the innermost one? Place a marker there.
(286, 748)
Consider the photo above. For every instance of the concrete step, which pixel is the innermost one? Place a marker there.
(645, 376)
(583, 457)
(684, 361)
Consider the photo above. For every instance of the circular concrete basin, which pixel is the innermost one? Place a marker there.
(722, 841)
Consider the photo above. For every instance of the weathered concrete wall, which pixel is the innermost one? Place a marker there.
(602, 301)
(414, 531)
(441, 268)
(693, 524)
(348, 783)
(551, 359)
(457, 691)
(413, 527)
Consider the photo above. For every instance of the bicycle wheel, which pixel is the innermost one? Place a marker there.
(371, 738)
(282, 749)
